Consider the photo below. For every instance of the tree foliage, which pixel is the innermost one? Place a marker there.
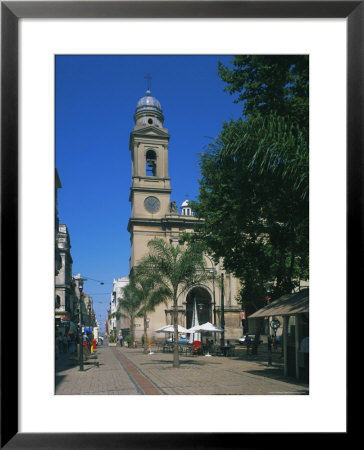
(270, 84)
(128, 307)
(140, 297)
(254, 187)
(150, 294)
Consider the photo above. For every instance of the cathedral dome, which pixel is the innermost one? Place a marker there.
(148, 110)
(148, 102)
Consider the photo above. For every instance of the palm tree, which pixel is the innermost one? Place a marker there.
(150, 295)
(128, 307)
(176, 269)
(278, 146)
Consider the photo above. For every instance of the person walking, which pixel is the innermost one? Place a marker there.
(60, 344)
(270, 342)
(85, 345)
(68, 343)
(248, 344)
(121, 340)
(64, 340)
(73, 344)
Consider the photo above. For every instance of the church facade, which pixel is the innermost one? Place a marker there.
(153, 214)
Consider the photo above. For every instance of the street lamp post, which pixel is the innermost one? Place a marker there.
(214, 272)
(80, 288)
(222, 311)
(89, 305)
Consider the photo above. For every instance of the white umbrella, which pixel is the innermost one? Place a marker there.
(206, 327)
(194, 336)
(170, 329)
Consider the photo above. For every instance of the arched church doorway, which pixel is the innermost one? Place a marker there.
(203, 306)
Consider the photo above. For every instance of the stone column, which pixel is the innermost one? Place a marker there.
(297, 343)
(285, 338)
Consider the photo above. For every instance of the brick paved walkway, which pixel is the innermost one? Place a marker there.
(109, 378)
(128, 371)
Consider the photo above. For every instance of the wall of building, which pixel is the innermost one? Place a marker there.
(63, 280)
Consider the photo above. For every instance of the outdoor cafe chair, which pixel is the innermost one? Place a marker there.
(196, 348)
(167, 348)
(228, 350)
(216, 350)
(159, 347)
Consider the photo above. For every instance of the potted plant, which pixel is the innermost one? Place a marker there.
(112, 340)
(127, 340)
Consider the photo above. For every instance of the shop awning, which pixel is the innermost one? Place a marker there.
(287, 305)
(73, 327)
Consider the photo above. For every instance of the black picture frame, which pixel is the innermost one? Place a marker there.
(11, 12)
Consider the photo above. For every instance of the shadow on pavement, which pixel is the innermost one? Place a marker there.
(169, 364)
(277, 374)
(263, 359)
(59, 379)
(65, 362)
(68, 362)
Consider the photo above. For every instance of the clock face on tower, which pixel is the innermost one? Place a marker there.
(152, 204)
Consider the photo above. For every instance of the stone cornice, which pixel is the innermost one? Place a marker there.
(181, 220)
(229, 308)
(144, 135)
(152, 189)
(150, 131)
(143, 221)
(168, 220)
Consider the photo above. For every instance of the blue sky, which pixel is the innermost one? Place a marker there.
(96, 97)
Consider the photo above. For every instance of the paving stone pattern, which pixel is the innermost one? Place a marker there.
(128, 371)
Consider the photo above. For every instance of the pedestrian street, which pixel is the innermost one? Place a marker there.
(119, 370)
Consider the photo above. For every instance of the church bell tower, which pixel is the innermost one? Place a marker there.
(150, 190)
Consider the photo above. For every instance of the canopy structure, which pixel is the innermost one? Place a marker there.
(287, 305)
(170, 329)
(73, 326)
(206, 327)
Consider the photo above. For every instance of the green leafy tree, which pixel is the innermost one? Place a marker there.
(175, 269)
(270, 84)
(254, 185)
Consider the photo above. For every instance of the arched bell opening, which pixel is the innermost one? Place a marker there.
(151, 164)
(203, 306)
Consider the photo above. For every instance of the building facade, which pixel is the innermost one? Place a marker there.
(153, 214)
(117, 323)
(64, 291)
(58, 259)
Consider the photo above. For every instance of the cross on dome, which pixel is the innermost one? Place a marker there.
(148, 110)
(149, 79)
